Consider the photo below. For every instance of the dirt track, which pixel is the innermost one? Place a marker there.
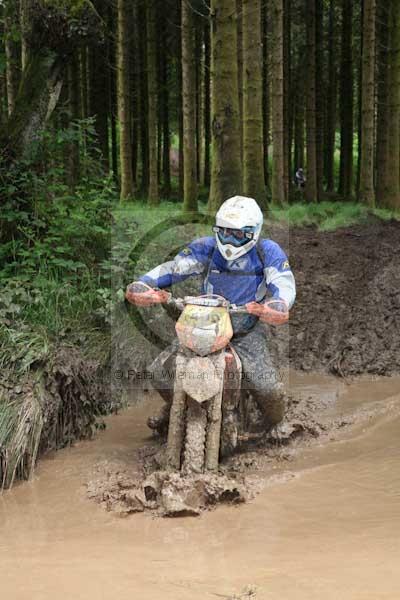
(346, 317)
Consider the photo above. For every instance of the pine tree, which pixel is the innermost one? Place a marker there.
(98, 100)
(239, 21)
(319, 96)
(346, 102)
(189, 109)
(152, 90)
(123, 98)
(226, 175)
(287, 96)
(207, 102)
(382, 129)
(165, 112)
(331, 102)
(391, 198)
(311, 124)
(367, 193)
(25, 16)
(277, 107)
(266, 92)
(11, 52)
(253, 160)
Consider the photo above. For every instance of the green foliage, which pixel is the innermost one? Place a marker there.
(53, 244)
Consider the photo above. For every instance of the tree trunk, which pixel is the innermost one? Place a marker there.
(123, 98)
(330, 130)
(143, 99)
(189, 109)
(166, 135)
(278, 151)
(367, 193)
(198, 60)
(239, 17)
(253, 160)
(226, 176)
(346, 102)
(207, 103)
(266, 93)
(11, 52)
(311, 190)
(24, 19)
(287, 100)
(382, 145)
(135, 90)
(83, 76)
(3, 96)
(391, 197)
(99, 106)
(180, 100)
(299, 111)
(37, 97)
(112, 93)
(319, 97)
(152, 100)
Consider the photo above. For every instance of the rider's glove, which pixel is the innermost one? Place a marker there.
(273, 312)
(140, 294)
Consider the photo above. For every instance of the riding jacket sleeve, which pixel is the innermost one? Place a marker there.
(279, 279)
(189, 262)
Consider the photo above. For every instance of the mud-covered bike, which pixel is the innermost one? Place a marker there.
(205, 415)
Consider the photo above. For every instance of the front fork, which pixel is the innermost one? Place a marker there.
(215, 422)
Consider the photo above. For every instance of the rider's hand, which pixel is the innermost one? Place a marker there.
(273, 312)
(140, 294)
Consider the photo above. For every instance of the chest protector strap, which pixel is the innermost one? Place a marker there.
(260, 254)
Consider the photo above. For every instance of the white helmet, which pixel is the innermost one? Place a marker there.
(238, 226)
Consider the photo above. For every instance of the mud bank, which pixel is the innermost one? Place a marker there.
(57, 402)
(346, 317)
(326, 524)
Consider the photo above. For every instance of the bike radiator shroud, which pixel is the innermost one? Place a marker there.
(204, 329)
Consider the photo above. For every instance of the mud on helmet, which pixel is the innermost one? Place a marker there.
(238, 226)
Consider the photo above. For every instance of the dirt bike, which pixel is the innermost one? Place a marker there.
(205, 411)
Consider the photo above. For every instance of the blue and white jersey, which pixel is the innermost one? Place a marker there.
(263, 272)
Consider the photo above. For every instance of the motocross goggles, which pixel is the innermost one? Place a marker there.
(235, 237)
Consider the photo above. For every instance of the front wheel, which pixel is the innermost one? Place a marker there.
(195, 439)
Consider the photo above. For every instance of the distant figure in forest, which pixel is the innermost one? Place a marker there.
(300, 179)
(174, 161)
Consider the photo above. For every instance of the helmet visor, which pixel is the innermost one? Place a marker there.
(234, 237)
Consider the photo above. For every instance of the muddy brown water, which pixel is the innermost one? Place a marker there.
(327, 526)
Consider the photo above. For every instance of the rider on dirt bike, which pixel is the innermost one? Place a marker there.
(246, 270)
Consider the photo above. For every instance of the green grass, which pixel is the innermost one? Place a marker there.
(328, 216)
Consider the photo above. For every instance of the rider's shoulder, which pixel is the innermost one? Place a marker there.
(203, 245)
(272, 250)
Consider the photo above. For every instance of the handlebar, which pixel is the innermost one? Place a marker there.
(180, 303)
(145, 295)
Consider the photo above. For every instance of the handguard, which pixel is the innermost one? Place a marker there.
(273, 312)
(141, 294)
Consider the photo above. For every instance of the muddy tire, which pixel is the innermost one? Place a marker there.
(177, 422)
(196, 427)
(229, 434)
